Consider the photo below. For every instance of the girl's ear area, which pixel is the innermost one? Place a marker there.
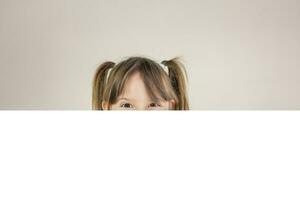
(172, 104)
(105, 105)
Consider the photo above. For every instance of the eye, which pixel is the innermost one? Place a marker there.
(126, 105)
(154, 105)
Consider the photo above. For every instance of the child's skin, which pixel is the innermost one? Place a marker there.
(135, 97)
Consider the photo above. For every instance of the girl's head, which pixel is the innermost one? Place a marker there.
(140, 83)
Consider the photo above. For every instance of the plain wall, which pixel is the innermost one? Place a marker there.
(238, 54)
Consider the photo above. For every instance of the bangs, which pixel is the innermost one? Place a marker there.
(157, 83)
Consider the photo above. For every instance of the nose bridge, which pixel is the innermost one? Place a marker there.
(141, 107)
(142, 104)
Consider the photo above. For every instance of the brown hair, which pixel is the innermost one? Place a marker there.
(157, 82)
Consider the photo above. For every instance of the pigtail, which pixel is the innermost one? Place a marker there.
(178, 77)
(99, 84)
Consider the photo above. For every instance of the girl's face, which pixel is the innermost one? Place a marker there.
(135, 97)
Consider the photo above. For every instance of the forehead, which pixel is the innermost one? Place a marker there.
(135, 89)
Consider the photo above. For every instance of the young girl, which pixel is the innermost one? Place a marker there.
(140, 83)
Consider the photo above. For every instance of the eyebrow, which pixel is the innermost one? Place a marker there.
(123, 99)
(156, 99)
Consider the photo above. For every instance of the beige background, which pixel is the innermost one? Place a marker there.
(239, 54)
